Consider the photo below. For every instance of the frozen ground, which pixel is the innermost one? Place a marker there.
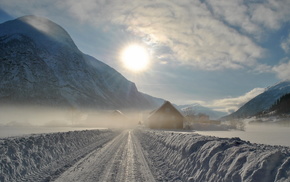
(139, 155)
(12, 131)
(271, 134)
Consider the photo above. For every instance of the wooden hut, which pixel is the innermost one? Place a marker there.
(118, 116)
(165, 117)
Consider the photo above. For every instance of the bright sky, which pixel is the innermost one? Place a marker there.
(216, 53)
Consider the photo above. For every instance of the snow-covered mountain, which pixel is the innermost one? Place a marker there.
(40, 64)
(263, 101)
(199, 109)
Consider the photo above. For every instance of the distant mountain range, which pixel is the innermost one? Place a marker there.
(40, 64)
(199, 109)
(263, 102)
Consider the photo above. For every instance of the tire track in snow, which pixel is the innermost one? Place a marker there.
(91, 167)
(112, 169)
(141, 162)
(130, 160)
(127, 169)
(121, 159)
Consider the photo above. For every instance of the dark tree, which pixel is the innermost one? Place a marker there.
(282, 105)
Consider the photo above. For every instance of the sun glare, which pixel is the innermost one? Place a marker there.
(135, 58)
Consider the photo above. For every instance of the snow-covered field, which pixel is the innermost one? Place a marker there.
(12, 131)
(139, 155)
(271, 134)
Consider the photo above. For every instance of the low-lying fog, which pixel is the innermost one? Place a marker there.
(267, 133)
(26, 120)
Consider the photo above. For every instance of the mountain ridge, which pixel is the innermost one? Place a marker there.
(40, 64)
(196, 108)
(263, 101)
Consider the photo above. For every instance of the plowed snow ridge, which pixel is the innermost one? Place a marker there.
(140, 155)
(42, 157)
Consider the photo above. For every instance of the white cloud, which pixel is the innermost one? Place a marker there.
(263, 68)
(285, 44)
(210, 35)
(252, 17)
(232, 104)
(236, 13)
(193, 34)
(271, 13)
(283, 69)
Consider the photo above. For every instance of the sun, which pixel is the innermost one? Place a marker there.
(135, 58)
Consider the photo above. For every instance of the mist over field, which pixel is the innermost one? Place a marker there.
(31, 116)
(271, 133)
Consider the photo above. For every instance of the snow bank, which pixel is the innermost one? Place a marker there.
(193, 157)
(30, 158)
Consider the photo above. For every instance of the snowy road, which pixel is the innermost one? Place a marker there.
(121, 159)
(139, 155)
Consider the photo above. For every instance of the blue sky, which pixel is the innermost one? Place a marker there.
(216, 53)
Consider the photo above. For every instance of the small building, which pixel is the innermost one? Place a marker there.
(118, 116)
(202, 117)
(165, 117)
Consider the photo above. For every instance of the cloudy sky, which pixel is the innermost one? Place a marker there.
(219, 53)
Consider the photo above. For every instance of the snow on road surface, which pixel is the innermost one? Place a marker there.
(119, 160)
(140, 155)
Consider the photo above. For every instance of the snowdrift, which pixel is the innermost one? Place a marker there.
(193, 157)
(29, 158)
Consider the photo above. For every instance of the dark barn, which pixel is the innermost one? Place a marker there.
(165, 117)
(118, 116)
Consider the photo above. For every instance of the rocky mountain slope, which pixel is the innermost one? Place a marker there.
(40, 64)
